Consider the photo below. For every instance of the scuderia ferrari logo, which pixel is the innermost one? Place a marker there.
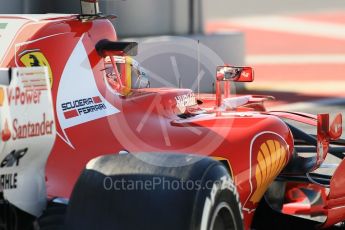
(32, 58)
(82, 106)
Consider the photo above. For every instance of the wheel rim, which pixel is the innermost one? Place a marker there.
(223, 218)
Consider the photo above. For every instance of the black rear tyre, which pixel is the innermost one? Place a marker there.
(12, 218)
(53, 217)
(201, 195)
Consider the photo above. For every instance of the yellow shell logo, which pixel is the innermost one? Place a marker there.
(2, 96)
(271, 159)
(37, 58)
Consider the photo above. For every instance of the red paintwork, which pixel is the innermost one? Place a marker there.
(227, 135)
(297, 203)
(332, 205)
(336, 197)
(336, 127)
(300, 117)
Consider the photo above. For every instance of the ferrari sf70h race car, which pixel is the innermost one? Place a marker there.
(87, 144)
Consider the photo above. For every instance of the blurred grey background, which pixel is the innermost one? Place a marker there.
(161, 17)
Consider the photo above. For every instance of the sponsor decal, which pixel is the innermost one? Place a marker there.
(31, 58)
(27, 137)
(83, 106)
(76, 107)
(270, 160)
(18, 96)
(32, 129)
(225, 183)
(6, 132)
(3, 26)
(184, 101)
(2, 96)
(268, 155)
(8, 181)
(245, 74)
(117, 59)
(13, 158)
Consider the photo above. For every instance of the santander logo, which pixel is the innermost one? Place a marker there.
(6, 133)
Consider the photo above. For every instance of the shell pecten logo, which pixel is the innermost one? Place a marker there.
(2, 96)
(271, 159)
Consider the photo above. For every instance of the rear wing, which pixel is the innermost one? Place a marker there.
(27, 134)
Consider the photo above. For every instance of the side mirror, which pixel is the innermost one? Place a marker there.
(330, 130)
(236, 74)
(226, 74)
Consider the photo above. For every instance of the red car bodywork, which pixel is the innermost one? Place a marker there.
(256, 145)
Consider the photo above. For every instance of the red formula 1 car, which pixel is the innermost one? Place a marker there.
(87, 144)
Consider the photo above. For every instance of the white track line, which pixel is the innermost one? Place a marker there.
(286, 59)
(292, 25)
(299, 86)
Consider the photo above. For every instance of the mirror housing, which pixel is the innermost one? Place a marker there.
(330, 130)
(227, 74)
(236, 74)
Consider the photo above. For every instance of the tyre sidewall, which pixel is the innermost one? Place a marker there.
(218, 189)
